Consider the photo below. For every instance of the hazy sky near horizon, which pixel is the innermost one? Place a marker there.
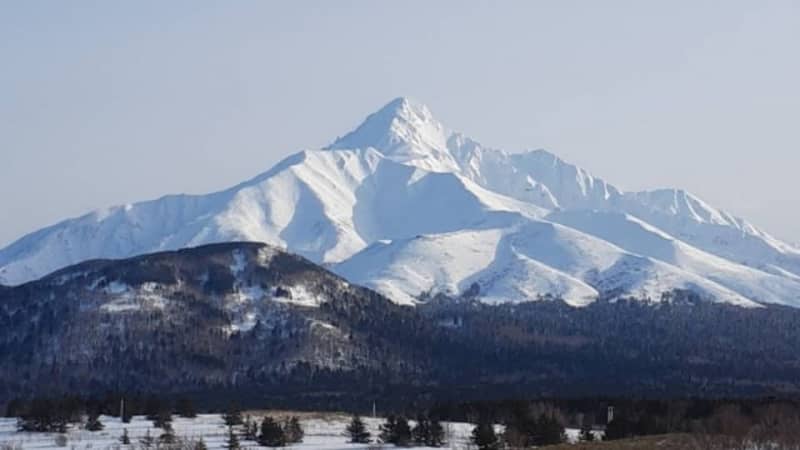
(103, 103)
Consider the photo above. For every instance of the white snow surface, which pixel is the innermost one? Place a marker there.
(323, 431)
(406, 206)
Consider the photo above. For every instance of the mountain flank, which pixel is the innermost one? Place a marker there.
(250, 321)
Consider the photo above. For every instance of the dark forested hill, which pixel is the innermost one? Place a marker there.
(248, 320)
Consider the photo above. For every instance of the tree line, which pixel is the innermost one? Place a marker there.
(512, 423)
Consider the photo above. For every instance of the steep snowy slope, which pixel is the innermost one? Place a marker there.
(408, 207)
(544, 179)
(521, 263)
(638, 237)
(541, 178)
(690, 219)
(323, 205)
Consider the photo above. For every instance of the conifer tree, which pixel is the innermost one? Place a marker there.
(358, 431)
(44, 415)
(435, 433)
(428, 432)
(484, 437)
(15, 408)
(153, 407)
(124, 439)
(163, 419)
(232, 441)
(232, 416)
(185, 408)
(421, 431)
(549, 431)
(271, 433)
(396, 431)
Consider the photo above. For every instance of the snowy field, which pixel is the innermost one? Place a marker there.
(322, 432)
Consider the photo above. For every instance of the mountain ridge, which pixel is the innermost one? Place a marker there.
(411, 176)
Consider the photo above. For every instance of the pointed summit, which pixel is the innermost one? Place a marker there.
(400, 122)
(405, 130)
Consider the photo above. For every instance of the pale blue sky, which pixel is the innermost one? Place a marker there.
(110, 102)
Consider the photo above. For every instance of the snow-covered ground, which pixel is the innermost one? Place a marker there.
(322, 432)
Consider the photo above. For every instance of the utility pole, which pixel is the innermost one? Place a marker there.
(374, 414)
(122, 409)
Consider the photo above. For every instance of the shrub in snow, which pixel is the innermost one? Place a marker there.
(293, 431)
(93, 422)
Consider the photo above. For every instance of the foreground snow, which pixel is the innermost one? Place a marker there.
(322, 432)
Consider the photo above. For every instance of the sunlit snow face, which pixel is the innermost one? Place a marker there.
(406, 206)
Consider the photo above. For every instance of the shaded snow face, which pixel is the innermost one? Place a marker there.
(406, 206)
(251, 283)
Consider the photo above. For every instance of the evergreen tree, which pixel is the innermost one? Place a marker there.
(293, 431)
(163, 419)
(484, 437)
(147, 440)
(185, 408)
(358, 431)
(124, 439)
(548, 431)
(15, 408)
(93, 422)
(232, 442)
(232, 416)
(428, 432)
(402, 432)
(435, 433)
(44, 415)
(153, 407)
(396, 431)
(271, 433)
(421, 431)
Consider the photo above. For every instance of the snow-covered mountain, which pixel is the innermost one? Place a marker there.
(406, 206)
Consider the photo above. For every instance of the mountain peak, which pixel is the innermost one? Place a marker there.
(402, 122)
(406, 108)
